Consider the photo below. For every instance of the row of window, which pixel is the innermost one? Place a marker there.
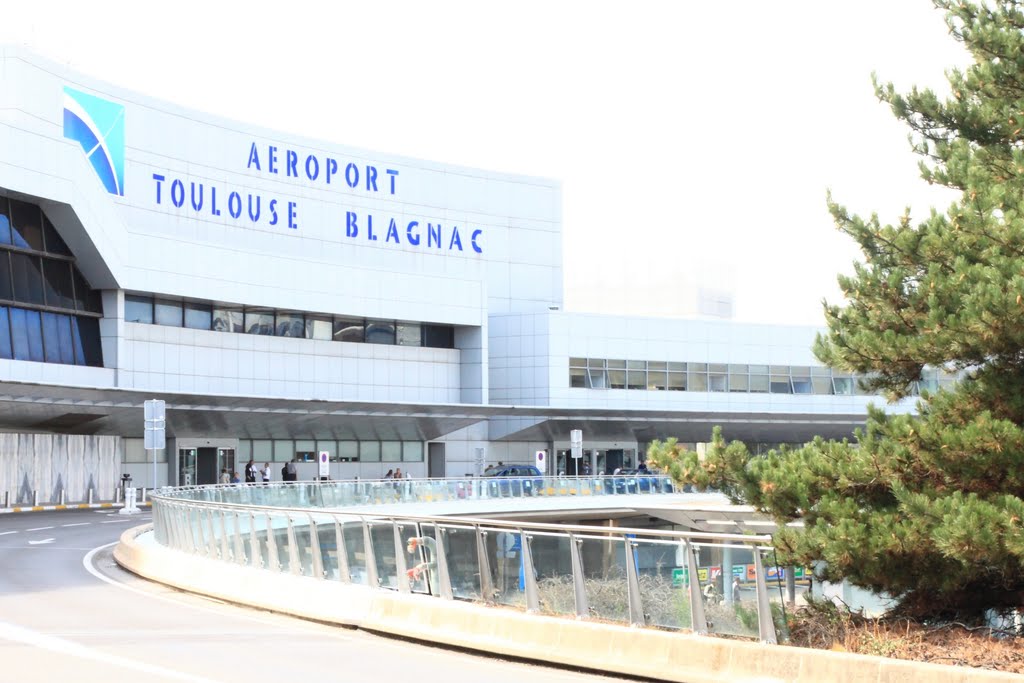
(48, 337)
(270, 322)
(283, 450)
(34, 280)
(601, 373)
(25, 226)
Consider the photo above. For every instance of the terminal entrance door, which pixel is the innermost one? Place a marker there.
(206, 466)
(613, 460)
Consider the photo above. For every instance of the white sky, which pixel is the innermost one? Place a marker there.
(695, 141)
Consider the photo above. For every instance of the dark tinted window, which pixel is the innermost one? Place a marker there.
(5, 334)
(86, 332)
(27, 225)
(227, 319)
(5, 275)
(290, 325)
(348, 330)
(259, 321)
(57, 281)
(5, 221)
(28, 278)
(54, 243)
(439, 336)
(87, 297)
(138, 309)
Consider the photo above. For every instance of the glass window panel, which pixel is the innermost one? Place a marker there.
(780, 384)
(305, 446)
(577, 362)
(198, 316)
(5, 276)
(616, 363)
(369, 451)
(636, 365)
(262, 450)
(577, 378)
(27, 226)
(696, 381)
(284, 450)
(67, 344)
(85, 335)
(735, 369)
(348, 451)
(657, 379)
(54, 243)
(779, 370)
(758, 369)
(57, 283)
(331, 447)
(718, 382)
(758, 383)
(412, 451)
(636, 379)
(380, 332)
(319, 327)
(598, 378)
(28, 278)
(819, 371)
(227, 318)
(739, 382)
(5, 332)
(408, 334)
(596, 363)
(259, 321)
(290, 325)
(616, 379)
(822, 385)
(676, 381)
(27, 335)
(391, 451)
(51, 338)
(439, 336)
(802, 384)
(5, 221)
(677, 367)
(138, 309)
(244, 450)
(168, 312)
(88, 298)
(348, 330)
(718, 367)
(657, 365)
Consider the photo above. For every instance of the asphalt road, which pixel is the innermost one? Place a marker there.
(67, 612)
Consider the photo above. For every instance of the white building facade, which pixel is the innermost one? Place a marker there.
(288, 296)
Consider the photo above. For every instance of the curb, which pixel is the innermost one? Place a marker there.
(72, 506)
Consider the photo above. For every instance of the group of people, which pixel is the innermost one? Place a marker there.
(394, 474)
(263, 473)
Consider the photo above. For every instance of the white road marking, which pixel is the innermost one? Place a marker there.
(45, 540)
(4, 533)
(40, 528)
(77, 524)
(26, 636)
(118, 521)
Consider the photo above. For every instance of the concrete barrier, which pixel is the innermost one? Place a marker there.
(651, 653)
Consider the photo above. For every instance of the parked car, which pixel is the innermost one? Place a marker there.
(513, 480)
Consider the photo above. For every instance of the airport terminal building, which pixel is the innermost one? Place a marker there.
(288, 296)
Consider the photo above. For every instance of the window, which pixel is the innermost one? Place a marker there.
(380, 332)
(412, 451)
(391, 451)
(616, 378)
(54, 243)
(348, 330)
(26, 335)
(284, 450)
(738, 380)
(290, 325)
(259, 321)
(86, 297)
(138, 309)
(5, 331)
(198, 316)
(697, 377)
(5, 274)
(319, 327)
(348, 451)
(331, 447)
(5, 221)
(85, 337)
(227, 318)
(168, 313)
(780, 384)
(27, 226)
(369, 451)
(57, 282)
(408, 334)
(28, 278)
(636, 375)
(262, 450)
(439, 336)
(578, 378)
(57, 345)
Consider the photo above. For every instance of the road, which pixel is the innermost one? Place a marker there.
(67, 612)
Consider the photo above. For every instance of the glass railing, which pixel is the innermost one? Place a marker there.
(641, 577)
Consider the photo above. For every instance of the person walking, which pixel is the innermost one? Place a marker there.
(250, 472)
(265, 473)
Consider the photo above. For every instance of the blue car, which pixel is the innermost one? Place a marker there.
(513, 481)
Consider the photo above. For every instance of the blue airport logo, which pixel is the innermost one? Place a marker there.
(98, 126)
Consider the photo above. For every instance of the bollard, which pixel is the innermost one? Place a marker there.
(90, 495)
(129, 502)
(35, 498)
(63, 495)
(7, 499)
(143, 494)
(117, 494)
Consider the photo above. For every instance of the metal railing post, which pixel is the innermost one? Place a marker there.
(344, 575)
(273, 558)
(401, 566)
(237, 545)
(212, 548)
(699, 622)
(444, 580)
(314, 549)
(225, 553)
(636, 607)
(579, 588)
(294, 564)
(765, 624)
(529, 578)
(370, 558)
(484, 567)
(255, 555)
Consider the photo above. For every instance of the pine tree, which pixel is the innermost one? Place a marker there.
(928, 507)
